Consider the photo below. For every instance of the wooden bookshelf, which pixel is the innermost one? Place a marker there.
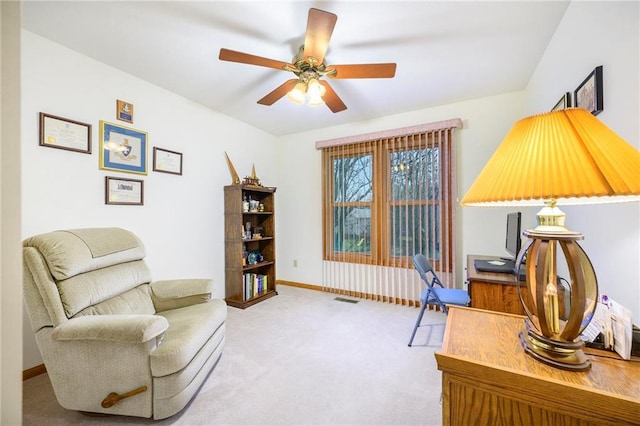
(240, 267)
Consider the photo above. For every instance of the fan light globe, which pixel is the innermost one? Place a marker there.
(296, 95)
(314, 88)
(315, 91)
(315, 101)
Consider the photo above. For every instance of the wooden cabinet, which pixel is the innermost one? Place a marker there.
(250, 260)
(491, 290)
(487, 379)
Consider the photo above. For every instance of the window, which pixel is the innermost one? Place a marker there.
(388, 199)
(414, 201)
(352, 203)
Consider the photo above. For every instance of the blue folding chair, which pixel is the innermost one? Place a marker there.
(435, 293)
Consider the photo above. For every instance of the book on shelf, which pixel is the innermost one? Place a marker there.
(254, 285)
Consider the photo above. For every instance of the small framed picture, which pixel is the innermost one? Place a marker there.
(563, 103)
(63, 133)
(128, 192)
(589, 94)
(124, 111)
(166, 161)
(122, 149)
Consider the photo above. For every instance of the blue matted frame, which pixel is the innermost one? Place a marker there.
(123, 149)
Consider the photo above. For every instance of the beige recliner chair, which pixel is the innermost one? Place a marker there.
(112, 340)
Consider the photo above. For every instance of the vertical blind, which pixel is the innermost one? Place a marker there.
(386, 197)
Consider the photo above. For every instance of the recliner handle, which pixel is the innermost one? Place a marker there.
(113, 398)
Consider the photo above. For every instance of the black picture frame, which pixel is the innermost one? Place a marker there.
(588, 94)
(563, 103)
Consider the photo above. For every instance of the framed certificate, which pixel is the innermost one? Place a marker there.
(166, 161)
(122, 149)
(62, 133)
(129, 192)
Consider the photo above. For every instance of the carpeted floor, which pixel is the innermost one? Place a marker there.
(301, 357)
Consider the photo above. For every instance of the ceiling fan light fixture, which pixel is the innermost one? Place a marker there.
(315, 91)
(296, 95)
(315, 101)
(309, 63)
(314, 88)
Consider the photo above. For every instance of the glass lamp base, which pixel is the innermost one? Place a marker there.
(564, 355)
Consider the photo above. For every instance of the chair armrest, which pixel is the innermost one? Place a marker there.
(116, 328)
(173, 294)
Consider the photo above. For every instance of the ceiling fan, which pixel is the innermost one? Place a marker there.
(308, 65)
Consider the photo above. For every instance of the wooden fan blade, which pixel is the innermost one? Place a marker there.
(320, 26)
(362, 71)
(279, 92)
(331, 99)
(245, 58)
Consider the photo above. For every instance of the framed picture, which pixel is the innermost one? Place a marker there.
(124, 111)
(129, 192)
(589, 94)
(563, 103)
(122, 149)
(166, 161)
(62, 133)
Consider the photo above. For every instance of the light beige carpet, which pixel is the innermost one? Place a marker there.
(300, 358)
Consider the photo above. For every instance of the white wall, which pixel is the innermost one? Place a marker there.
(607, 34)
(182, 220)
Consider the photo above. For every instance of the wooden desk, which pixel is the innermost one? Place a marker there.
(491, 290)
(487, 379)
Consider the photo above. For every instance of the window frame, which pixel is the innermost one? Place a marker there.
(329, 155)
(380, 225)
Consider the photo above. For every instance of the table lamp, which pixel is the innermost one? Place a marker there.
(557, 158)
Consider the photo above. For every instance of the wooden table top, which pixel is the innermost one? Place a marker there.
(477, 342)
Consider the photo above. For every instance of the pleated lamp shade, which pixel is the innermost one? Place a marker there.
(568, 156)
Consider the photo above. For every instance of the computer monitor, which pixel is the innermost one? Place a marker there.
(513, 239)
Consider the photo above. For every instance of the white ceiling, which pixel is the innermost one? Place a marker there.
(446, 51)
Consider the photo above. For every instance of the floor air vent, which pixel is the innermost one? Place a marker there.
(344, 299)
